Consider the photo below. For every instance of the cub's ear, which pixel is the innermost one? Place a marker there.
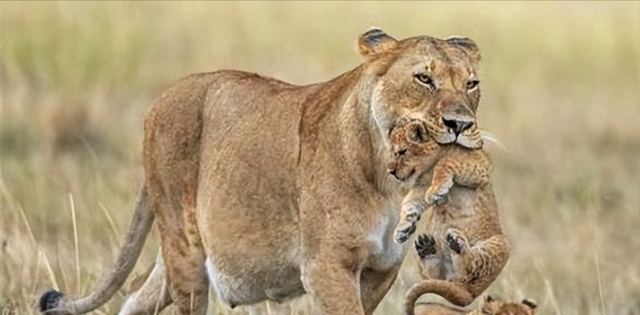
(467, 45)
(488, 305)
(531, 304)
(417, 132)
(375, 41)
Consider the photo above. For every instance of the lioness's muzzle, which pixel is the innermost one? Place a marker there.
(458, 126)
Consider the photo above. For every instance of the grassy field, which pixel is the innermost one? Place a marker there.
(561, 92)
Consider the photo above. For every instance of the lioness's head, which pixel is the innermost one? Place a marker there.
(428, 78)
(414, 152)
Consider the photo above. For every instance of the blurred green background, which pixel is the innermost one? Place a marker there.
(561, 93)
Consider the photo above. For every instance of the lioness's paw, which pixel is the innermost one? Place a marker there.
(403, 231)
(456, 242)
(425, 245)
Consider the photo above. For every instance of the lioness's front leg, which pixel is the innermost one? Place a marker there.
(374, 285)
(334, 287)
(332, 272)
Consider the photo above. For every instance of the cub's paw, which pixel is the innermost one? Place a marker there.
(435, 199)
(411, 210)
(403, 231)
(425, 245)
(456, 242)
(437, 194)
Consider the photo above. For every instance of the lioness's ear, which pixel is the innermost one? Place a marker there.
(467, 45)
(375, 41)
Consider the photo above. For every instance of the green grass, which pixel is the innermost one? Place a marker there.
(561, 92)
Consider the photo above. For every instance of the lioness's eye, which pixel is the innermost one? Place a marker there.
(425, 80)
(472, 84)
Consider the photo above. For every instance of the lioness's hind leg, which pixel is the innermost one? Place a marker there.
(171, 156)
(184, 260)
(153, 296)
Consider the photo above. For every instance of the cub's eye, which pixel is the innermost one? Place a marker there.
(425, 80)
(471, 85)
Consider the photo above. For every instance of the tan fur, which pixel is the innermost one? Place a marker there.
(488, 306)
(464, 250)
(421, 162)
(281, 189)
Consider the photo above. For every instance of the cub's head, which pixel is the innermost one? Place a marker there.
(489, 306)
(414, 152)
(425, 77)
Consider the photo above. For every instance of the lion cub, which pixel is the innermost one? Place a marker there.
(488, 306)
(464, 249)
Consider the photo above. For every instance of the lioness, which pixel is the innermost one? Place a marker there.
(464, 250)
(274, 190)
(488, 306)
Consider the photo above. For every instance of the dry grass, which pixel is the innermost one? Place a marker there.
(561, 92)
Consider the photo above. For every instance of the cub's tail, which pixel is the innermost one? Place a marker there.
(54, 302)
(452, 291)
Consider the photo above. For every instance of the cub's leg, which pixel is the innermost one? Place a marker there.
(412, 207)
(431, 264)
(472, 169)
(478, 265)
(153, 296)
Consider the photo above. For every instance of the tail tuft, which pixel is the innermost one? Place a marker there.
(50, 300)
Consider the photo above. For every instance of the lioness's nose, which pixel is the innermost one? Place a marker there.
(458, 126)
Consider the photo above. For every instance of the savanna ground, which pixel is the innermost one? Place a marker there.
(561, 92)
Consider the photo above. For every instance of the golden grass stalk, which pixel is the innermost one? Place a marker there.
(111, 224)
(552, 296)
(75, 240)
(15, 205)
(52, 277)
(599, 279)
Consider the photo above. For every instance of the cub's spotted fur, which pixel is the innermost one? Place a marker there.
(489, 306)
(464, 249)
(421, 162)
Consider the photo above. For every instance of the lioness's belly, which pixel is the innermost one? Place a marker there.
(247, 208)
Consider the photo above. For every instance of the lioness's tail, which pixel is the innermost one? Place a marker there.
(452, 291)
(54, 302)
